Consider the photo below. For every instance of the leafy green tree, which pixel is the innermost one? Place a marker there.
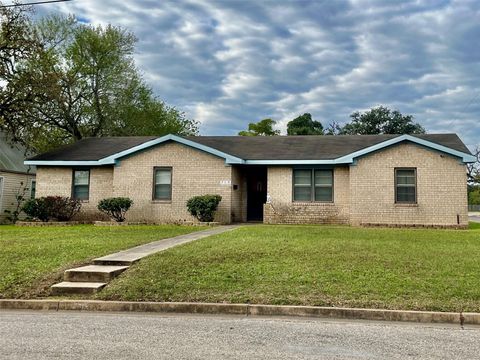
(262, 128)
(85, 84)
(474, 195)
(18, 45)
(381, 120)
(304, 125)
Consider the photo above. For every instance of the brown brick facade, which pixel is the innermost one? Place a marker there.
(281, 208)
(193, 173)
(441, 188)
(363, 192)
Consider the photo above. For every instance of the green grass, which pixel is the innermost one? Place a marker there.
(315, 265)
(32, 258)
(474, 225)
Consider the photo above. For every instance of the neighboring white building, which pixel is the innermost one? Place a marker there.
(14, 176)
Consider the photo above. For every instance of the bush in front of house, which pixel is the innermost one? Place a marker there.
(36, 209)
(116, 207)
(203, 207)
(51, 207)
(63, 208)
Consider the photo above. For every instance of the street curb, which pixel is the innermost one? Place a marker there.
(243, 309)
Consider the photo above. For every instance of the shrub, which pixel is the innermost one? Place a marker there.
(204, 207)
(36, 209)
(46, 208)
(62, 208)
(116, 207)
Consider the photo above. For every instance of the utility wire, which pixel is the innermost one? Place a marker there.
(34, 3)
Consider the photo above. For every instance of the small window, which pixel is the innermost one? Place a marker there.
(313, 185)
(33, 188)
(162, 183)
(81, 184)
(406, 186)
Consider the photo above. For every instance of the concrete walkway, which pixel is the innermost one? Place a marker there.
(127, 257)
(92, 278)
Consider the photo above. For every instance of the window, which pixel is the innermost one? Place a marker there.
(406, 185)
(162, 183)
(313, 185)
(33, 187)
(81, 184)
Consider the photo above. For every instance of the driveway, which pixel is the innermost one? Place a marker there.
(74, 335)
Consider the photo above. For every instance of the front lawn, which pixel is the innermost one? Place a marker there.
(315, 265)
(32, 258)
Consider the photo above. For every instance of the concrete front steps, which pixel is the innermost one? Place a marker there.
(87, 279)
(92, 278)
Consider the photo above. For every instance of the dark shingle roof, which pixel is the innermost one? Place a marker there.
(12, 156)
(248, 147)
(308, 147)
(93, 148)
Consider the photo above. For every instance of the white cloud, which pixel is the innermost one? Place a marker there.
(233, 62)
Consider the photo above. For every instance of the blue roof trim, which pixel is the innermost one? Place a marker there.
(230, 159)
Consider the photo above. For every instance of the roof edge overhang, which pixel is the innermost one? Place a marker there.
(114, 158)
(230, 159)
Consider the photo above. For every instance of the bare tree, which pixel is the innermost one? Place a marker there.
(473, 169)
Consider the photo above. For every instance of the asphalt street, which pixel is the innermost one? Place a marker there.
(475, 218)
(75, 335)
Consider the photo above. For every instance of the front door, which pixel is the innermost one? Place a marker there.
(256, 192)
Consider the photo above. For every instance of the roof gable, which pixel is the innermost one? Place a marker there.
(251, 150)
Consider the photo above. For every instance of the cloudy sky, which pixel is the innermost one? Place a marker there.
(228, 63)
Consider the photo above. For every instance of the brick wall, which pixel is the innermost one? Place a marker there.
(239, 195)
(282, 210)
(441, 188)
(363, 193)
(57, 181)
(194, 172)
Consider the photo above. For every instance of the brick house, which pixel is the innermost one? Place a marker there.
(359, 180)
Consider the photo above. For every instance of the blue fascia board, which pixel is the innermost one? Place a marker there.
(291, 162)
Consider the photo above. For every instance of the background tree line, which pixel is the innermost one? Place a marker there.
(378, 120)
(61, 81)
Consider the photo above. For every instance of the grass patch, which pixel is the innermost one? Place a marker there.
(474, 225)
(31, 258)
(315, 265)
